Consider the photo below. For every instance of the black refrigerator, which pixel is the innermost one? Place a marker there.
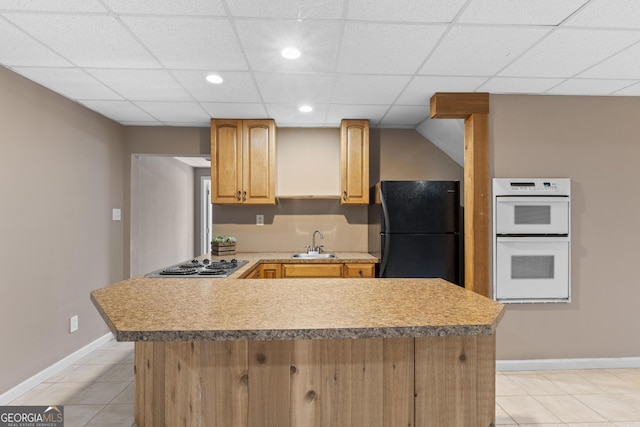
(414, 229)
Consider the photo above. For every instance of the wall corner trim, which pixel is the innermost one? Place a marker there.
(45, 374)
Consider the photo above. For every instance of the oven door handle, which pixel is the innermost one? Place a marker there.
(533, 239)
(532, 199)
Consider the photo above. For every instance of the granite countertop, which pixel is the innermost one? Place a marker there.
(179, 309)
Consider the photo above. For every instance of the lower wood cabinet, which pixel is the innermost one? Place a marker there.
(270, 271)
(253, 274)
(358, 270)
(310, 270)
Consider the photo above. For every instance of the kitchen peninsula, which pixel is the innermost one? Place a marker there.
(306, 351)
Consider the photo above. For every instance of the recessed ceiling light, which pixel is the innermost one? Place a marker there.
(214, 78)
(306, 109)
(290, 53)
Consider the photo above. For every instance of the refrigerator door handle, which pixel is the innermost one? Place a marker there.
(384, 237)
(385, 212)
(385, 253)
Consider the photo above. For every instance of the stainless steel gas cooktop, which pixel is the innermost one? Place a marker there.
(200, 268)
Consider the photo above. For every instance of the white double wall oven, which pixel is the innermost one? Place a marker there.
(531, 247)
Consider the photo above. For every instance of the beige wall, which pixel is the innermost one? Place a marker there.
(406, 155)
(594, 141)
(162, 213)
(156, 141)
(61, 173)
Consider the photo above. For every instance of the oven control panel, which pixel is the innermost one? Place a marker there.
(531, 186)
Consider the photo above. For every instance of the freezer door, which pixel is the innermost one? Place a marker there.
(419, 206)
(420, 255)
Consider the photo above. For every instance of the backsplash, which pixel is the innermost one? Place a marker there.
(289, 225)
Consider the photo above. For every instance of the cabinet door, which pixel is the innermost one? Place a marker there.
(358, 270)
(311, 270)
(226, 161)
(354, 162)
(253, 274)
(270, 271)
(259, 160)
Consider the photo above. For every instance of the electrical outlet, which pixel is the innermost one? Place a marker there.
(259, 219)
(116, 214)
(73, 323)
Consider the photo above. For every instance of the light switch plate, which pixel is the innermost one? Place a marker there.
(73, 323)
(259, 219)
(116, 214)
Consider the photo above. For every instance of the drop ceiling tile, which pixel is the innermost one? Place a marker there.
(523, 12)
(237, 86)
(183, 112)
(134, 123)
(624, 65)
(18, 48)
(73, 83)
(297, 89)
(386, 48)
(81, 39)
(263, 41)
(405, 115)
(142, 85)
(192, 124)
(567, 52)
(518, 85)
(633, 90)
(303, 125)
(79, 6)
(421, 88)
(424, 11)
(589, 87)
(119, 110)
(289, 9)
(367, 89)
(182, 43)
(373, 113)
(480, 50)
(608, 14)
(232, 110)
(167, 7)
(285, 113)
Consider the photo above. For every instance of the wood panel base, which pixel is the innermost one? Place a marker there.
(433, 381)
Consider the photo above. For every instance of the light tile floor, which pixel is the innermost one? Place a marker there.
(95, 391)
(98, 391)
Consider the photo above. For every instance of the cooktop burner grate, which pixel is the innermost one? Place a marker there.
(206, 272)
(199, 268)
(178, 271)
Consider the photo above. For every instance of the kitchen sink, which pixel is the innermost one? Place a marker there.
(313, 256)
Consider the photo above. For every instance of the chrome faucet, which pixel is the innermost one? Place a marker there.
(314, 248)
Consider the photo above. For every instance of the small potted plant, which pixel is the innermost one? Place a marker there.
(223, 245)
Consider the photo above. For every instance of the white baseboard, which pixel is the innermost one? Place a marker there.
(52, 370)
(554, 364)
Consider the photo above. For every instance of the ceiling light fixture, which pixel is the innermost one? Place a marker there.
(305, 109)
(290, 53)
(215, 79)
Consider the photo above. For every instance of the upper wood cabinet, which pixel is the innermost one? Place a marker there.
(354, 162)
(243, 157)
